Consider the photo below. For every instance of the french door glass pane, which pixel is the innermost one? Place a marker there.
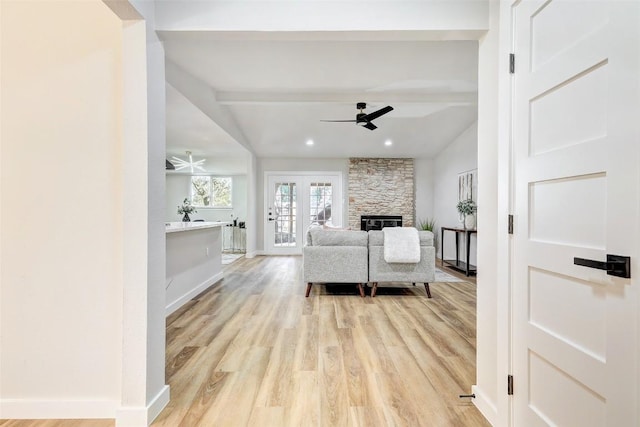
(285, 203)
(320, 203)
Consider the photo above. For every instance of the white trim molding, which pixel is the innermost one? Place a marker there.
(484, 405)
(57, 409)
(194, 292)
(128, 416)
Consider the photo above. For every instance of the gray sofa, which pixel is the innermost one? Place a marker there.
(382, 271)
(335, 256)
(344, 256)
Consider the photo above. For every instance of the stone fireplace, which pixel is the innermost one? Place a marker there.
(378, 222)
(381, 187)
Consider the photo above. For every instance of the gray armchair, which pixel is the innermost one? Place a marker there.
(335, 256)
(382, 271)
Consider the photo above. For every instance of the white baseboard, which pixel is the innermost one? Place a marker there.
(21, 409)
(254, 254)
(158, 403)
(143, 416)
(484, 405)
(193, 293)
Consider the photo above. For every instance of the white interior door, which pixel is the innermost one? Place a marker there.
(296, 201)
(576, 162)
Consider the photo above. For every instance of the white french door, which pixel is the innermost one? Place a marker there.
(294, 201)
(576, 106)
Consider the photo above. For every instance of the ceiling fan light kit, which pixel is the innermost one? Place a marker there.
(363, 119)
(183, 164)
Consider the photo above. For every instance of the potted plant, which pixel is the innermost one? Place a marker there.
(429, 224)
(186, 209)
(467, 209)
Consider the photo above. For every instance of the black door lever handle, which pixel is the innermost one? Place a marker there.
(616, 265)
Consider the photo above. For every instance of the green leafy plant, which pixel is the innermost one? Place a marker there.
(428, 224)
(186, 208)
(467, 207)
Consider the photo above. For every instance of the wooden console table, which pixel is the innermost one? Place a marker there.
(456, 264)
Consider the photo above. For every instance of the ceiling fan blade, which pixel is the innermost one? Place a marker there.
(378, 113)
(343, 121)
(370, 126)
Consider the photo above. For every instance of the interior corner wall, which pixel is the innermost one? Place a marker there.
(461, 155)
(423, 169)
(493, 353)
(157, 392)
(251, 203)
(486, 315)
(61, 216)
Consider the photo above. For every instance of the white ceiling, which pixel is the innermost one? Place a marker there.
(269, 91)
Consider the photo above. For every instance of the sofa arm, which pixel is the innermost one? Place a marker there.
(335, 264)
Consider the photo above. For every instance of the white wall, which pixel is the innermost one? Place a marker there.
(489, 361)
(460, 155)
(194, 263)
(156, 392)
(62, 214)
(423, 170)
(179, 187)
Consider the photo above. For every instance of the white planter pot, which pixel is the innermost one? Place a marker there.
(470, 222)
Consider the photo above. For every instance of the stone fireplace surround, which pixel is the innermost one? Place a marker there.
(381, 186)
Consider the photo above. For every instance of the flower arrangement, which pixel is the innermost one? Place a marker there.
(467, 207)
(186, 208)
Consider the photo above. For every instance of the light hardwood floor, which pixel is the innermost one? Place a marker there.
(253, 351)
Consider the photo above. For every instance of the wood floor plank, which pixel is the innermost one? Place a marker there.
(333, 388)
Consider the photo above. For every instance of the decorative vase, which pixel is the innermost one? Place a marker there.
(469, 222)
(186, 218)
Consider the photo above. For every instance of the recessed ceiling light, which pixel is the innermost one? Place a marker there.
(309, 142)
(388, 143)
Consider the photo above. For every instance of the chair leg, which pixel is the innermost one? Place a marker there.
(426, 288)
(361, 289)
(308, 289)
(374, 289)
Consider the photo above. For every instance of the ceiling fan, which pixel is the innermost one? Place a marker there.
(364, 119)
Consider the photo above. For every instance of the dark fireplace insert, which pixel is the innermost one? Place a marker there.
(377, 222)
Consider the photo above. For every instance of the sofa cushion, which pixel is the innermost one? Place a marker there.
(320, 237)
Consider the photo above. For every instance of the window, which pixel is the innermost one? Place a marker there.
(320, 202)
(211, 192)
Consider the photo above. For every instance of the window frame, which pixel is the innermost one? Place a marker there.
(211, 178)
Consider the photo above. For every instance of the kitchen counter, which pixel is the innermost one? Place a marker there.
(173, 227)
(194, 260)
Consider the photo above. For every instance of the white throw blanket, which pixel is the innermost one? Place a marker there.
(401, 244)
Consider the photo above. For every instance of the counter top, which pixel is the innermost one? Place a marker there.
(173, 227)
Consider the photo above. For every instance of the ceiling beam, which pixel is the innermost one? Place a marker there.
(238, 97)
(322, 15)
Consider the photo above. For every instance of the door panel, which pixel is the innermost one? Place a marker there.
(285, 202)
(296, 201)
(576, 106)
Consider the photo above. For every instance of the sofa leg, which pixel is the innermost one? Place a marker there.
(361, 289)
(426, 288)
(374, 288)
(308, 289)
(414, 284)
